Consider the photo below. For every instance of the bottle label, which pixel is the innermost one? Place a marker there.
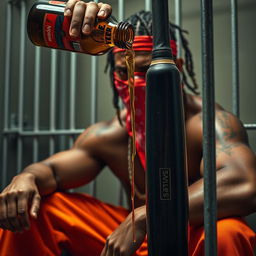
(56, 33)
(107, 32)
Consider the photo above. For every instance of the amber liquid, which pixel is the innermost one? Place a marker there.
(130, 63)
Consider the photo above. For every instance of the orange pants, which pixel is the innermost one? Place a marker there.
(80, 224)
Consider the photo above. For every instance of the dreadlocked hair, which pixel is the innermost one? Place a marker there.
(142, 23)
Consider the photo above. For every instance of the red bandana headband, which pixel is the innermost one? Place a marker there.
(145, 43)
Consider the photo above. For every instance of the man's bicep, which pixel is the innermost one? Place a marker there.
(74, 167)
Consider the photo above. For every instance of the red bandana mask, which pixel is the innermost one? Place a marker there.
(141, 43)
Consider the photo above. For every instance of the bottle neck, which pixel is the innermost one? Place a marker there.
(124, 35)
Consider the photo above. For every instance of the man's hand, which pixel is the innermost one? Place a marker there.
(120, 242)
(16, 200)
(84, 15)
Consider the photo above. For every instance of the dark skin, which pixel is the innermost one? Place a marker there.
(105, 144)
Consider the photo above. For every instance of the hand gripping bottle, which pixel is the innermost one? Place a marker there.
(47, 26)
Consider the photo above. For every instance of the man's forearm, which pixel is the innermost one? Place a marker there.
(44, 177)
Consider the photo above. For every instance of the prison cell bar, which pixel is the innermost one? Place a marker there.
(178, 21)
(72, 98)
(121, 8)
(209, 157)
(94, 83)
(53, 100)
(250, 126)
(21, 83)
(167, 200)
(235, 59)
(6, 88)
(148, 5)
(36, 102)
(65, 67)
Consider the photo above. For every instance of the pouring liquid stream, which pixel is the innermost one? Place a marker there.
(130, 63)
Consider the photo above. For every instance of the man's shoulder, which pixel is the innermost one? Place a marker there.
(195, 103)
(229, 127)
(225, 121)
(195, 116)
(100, 134)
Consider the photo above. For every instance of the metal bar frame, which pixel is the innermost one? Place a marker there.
(235, 59)
(21, 82)
(178, 21)
(36, 102)
(209, 155)
(63, 81)
(121, 14)
(73, 81)
(45, 132)
(94, 85)
(53, 99)
(6, 88)
(148, 5)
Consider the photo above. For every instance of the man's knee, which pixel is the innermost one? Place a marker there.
(235, 235)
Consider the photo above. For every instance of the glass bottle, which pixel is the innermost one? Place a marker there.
(47, 26)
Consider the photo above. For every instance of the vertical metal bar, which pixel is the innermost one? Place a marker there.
(71, 141)
(148, 5)
(7, 88)
(36, 101)
(94, 83)
(21, 81)
(72, 99)
(209, 154)
(63, 80)
(73, 82)
(178, 21)
(121, 10)
(121, 15)
(4, 172)
(53, 99)
(235, 59)
(121, 6)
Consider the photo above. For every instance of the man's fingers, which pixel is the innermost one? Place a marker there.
(3, 214)
(35, 206)
(70, 7)
(89, 17)
(77, 18)
(12, 212)
(104, 11)
(103, 253)
(84, 15)
(22, 210)
(109, 247)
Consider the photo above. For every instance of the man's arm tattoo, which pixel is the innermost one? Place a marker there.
(229, 133)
